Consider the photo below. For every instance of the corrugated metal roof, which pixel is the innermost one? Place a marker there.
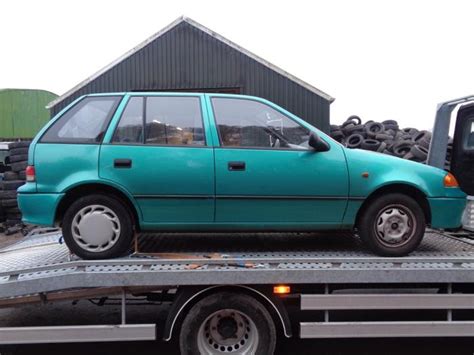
(209, 32)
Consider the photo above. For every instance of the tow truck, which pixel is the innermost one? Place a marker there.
(306, 285)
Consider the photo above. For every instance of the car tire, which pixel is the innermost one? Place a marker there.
(17, 151)
(203, 330)
(419, 152)
(354, 141)
(10, 175)
(370, 144)
(18, 157)
(9, 203)
(10, 194)
(392, 225)
(21, 144)
(98, 227)
(11, 184)
(16, 167)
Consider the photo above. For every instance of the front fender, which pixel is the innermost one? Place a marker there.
(369, 171)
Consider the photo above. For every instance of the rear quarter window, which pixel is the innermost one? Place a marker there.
(86, 122)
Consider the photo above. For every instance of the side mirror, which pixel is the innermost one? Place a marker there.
(317, 143)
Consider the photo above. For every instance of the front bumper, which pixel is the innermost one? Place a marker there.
(38, 208)
(446, 212)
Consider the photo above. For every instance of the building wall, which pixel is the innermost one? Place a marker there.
(23, 112)
(186, 58)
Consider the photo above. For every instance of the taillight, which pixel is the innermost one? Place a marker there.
(450, 181)
(30, 173)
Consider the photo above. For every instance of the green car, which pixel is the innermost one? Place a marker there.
(110, 165)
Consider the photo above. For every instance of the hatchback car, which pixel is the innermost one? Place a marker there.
(110, 165)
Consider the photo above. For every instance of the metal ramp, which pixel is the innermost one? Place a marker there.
(42, 264)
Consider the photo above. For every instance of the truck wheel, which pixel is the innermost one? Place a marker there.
(392, 225)
(97, 227)
(227, 322)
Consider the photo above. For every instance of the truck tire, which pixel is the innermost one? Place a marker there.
(98, 227)
(227, 322)
(392, 225)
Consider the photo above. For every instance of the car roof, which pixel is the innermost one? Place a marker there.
(165, 93)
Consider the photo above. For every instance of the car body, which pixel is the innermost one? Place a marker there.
(217, 162)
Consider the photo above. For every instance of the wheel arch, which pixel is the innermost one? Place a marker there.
(88, 188)
(189, 296)
(417, 194)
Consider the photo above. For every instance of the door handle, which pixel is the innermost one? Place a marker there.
(123, 163)
(236, 165)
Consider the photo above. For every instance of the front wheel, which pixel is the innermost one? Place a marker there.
(97, 227)
(392, 225)
(228, 323)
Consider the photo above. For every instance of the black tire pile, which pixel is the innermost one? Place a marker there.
(12, 180)
(386, 137)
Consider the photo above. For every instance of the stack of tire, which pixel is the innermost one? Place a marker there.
(12, 180)
(386, 137)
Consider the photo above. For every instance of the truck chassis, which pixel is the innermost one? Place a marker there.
(338, 289)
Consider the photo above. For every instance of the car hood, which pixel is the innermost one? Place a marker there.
(385, 169)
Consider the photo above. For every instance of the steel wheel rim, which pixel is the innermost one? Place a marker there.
(395, 225)
(96, 228)
(228, 331)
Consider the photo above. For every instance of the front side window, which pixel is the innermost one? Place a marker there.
(86, 122)
(174, 120)
(249, 123)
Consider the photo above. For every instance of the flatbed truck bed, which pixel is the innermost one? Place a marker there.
(339, 289)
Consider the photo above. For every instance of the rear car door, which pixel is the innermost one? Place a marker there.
(158, 152)
(266, 172)
(462, 160)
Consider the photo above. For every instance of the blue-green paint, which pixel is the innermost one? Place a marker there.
(191, 188)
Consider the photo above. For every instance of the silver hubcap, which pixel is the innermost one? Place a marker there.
(228, 331)
(395, 225)
(96, 228)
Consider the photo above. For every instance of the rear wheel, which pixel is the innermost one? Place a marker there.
(97, 227)
(392, 225)
(228, 323)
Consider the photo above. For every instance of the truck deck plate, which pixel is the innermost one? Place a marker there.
(41, 263)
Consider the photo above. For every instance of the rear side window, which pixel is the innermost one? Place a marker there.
(174, 121)
(169, 120)
(130, 127)
(86, 122)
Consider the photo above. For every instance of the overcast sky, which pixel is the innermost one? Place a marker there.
(379, 59)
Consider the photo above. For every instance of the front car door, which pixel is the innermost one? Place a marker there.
(157, 150)
(266, 175)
